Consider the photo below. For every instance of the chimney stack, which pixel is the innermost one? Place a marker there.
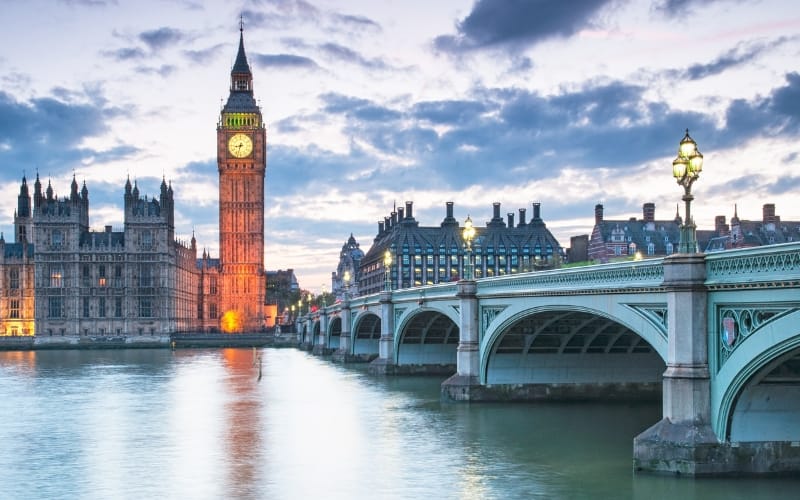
(537, 216)
(521, 217)
(720, 226)
(598, 213)
(649, 212)
(448, 219)
(380, 227)
(408, 210)
(510, 219)
(496, 210)
(769, 213)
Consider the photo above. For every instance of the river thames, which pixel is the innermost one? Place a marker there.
(196, 424)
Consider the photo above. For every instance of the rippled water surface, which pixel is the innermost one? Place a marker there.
(195, 424)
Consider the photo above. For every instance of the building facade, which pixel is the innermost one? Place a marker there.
(436, 254)
(617, 238)
(61, 278)
(742, 233)
(242, 162)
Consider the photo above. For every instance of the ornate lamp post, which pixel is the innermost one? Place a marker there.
(293, 316)
(346, 279)
(468, 233)
(387, 269)
(686, 169)
(324, 291)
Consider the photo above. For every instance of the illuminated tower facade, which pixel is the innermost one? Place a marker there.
(242, 162)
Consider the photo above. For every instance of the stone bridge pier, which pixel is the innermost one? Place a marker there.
(683, 441)
(465, 384)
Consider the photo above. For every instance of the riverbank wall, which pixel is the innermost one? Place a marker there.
(175, 341)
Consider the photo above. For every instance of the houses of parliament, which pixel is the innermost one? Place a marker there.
(59, 278)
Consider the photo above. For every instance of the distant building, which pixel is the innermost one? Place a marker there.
(620, 237)
(282, 288)
(17, 285)
(745, 233)
(435, 254)
(578, 250)
(349, 262)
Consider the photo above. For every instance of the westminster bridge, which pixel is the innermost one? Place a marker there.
(716, 337)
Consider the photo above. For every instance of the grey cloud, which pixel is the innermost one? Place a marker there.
(126, 54)
(162, 37)
(359, 22)
(164, 70)
(349, 55)
(518, 22)
(205, 55)
(47, 132)
(741, 54)
(784, 184)
(450, 111)
(283, 61)
(360, 109)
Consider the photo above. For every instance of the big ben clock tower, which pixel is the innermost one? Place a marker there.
(242, 162)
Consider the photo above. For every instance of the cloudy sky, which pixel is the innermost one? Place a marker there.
(370, 103)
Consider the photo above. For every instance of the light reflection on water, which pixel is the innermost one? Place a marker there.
(199, 424)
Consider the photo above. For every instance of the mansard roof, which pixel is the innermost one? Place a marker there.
(406, 232)
(17, 250)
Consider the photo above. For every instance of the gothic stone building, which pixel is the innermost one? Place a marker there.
(61, 278)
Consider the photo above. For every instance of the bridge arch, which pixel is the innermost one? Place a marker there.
(426, 336)
(366, 333)
(334, 333)
(573, 345)
(756, 393)
(315, 332)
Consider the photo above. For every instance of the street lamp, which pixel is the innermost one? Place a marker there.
(686, 169)
(293, 316)
(346, 283)
(468, 233)
(324, 291)
(387, 269)
(300, 306)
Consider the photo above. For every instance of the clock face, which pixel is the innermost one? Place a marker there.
(240, 145)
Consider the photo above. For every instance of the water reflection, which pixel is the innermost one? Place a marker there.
(199, 424)
(244, 446)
